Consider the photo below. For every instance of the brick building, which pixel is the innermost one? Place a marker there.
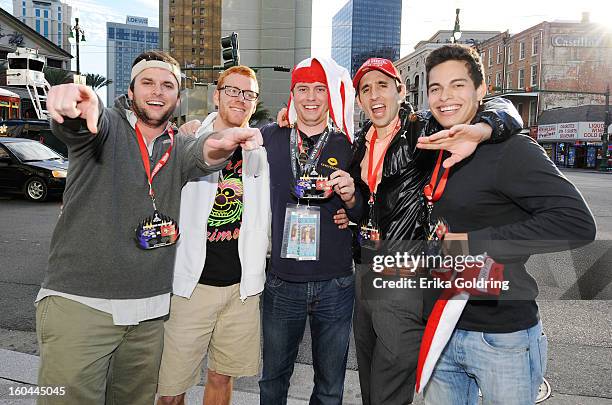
(567, 59)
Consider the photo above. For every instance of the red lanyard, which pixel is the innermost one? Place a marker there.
(144, 154)
(373, 174)
(432, 191)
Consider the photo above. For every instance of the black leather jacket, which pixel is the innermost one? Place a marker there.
(399, 206)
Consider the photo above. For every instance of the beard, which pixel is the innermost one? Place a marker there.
(149, 121)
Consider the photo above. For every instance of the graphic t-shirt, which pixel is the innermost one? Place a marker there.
(222, 266)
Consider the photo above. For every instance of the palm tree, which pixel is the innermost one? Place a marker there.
(261, 113)
(57, 76)
(97, 81)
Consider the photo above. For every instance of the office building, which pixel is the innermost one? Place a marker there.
(271, 33)
(366, 28)
(124, 42)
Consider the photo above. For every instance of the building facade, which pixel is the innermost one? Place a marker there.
(191, 32)
(366, 28)
(270, 32)
(553, 65)
(550, 65)
(50, 18)
(412, 66)
(124, 42)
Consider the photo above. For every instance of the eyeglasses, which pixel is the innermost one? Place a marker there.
(235, 92)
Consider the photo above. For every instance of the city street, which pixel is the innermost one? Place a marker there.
(575, 297)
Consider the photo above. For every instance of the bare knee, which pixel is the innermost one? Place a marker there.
(171, 400)
(218, 380)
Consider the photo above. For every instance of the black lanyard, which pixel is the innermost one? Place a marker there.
(313, 156)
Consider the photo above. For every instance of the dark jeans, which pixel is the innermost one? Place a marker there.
(286, 306)
(388, 327)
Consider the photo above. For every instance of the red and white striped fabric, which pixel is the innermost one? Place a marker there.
(447, 311)
(341, 95)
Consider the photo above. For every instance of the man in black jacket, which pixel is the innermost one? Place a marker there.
(507, 201)
(391, 172)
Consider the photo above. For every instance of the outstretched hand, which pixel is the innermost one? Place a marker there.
(460, 140)
(220, 145)
(74, 101)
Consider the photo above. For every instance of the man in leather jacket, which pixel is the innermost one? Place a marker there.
(388, 324)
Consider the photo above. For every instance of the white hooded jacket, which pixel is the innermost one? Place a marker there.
(197, 199)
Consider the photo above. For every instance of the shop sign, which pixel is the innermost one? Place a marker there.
(582, 41)
(572, 131)
(567, 130)
(547, 132)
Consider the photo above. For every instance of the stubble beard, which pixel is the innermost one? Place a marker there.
(144, 117)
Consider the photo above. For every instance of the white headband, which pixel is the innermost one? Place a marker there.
(146, 64)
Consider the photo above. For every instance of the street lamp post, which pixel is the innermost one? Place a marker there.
(457, 28)
(605, 137)
(77, 30)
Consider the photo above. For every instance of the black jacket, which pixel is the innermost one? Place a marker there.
(399, 207)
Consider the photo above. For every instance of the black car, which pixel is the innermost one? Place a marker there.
(30, 168)
(38, 130)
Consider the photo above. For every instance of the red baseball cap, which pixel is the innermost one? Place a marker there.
(380, 64)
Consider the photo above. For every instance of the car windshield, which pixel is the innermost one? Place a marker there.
(32, 151)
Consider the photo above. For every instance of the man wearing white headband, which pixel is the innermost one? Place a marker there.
(107, 289)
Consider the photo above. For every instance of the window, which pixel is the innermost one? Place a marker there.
(23, 11)
(46, 28)
(46, 13)
(38, 26)
(521, 50)
(490, 57)
(534, 75)
(533, 112)
(499, 55)
(521, 78)
(510, 50)
(498, 79)
(535, 44)
(37, 12)
(489, 80)
(59, 16)
(509, 80)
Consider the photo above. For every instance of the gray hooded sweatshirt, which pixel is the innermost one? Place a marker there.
(93, 249)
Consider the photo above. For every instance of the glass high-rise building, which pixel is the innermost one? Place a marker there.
(124, 42)
(366, 28)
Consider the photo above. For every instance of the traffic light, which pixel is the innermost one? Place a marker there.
(229, 50)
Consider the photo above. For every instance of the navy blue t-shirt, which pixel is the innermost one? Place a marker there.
(335, 255)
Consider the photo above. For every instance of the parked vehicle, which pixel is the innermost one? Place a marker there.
(38, 130)
(30, 168)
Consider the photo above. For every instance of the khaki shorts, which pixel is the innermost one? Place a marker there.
(212, 321)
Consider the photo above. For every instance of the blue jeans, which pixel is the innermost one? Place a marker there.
(286, 306)
(507, 367)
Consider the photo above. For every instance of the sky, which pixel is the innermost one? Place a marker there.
(418, 22)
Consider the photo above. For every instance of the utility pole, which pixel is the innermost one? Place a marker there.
(605, 137)
(77, 30)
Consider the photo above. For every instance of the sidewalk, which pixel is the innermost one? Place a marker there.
(19, 369)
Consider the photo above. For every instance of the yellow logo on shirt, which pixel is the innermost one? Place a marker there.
(332, 161)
